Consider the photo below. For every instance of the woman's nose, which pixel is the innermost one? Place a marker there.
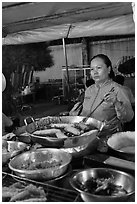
(95, 71)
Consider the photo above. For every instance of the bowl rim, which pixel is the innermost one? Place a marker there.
(52, 180)
(71, 180)
(38, 171)
(122, 152)
(118, 134)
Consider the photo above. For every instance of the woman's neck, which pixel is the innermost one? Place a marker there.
(102, 83)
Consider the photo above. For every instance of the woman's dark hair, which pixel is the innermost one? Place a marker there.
(107, 62)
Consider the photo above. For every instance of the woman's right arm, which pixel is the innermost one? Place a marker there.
(123, 107)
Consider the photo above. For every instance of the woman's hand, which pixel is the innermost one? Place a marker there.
(111, 97)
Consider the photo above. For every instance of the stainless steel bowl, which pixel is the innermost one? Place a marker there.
(13, 148)
(55, 181)
(120, 178)
(122, 144)
(19, 165)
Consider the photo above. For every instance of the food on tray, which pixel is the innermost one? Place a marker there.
(89, 132)
(41, 165)
(22, 192)
(83, 126)
(48, 132)
(61, 135)
(33, 163)
(72, 130)
(63, 130)
(43, 122)
(60, 125)
(36, 146)
(35, 200)
(29, 165)
(103, 186)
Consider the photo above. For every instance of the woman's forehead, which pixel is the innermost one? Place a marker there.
(97, 61)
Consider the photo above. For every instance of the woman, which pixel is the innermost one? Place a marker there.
(115, 108)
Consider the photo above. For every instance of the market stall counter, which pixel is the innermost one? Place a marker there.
(59, 189)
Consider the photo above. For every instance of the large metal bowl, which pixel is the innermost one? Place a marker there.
(19, 164)
(122, 144)
(10, 149)
(120, 178)
(76, 151)
(69, 142)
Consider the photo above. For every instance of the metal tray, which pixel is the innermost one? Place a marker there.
(70, 141)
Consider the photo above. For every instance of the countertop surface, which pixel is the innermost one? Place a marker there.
(60, 189)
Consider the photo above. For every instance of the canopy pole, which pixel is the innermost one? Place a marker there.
(66, 64)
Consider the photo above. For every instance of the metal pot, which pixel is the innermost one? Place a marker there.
(122, 144)
(21, 163)
(69, 142)
(120, 178)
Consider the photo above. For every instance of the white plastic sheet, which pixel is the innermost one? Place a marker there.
(122, 25)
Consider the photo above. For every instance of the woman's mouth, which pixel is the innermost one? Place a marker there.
(96, 77)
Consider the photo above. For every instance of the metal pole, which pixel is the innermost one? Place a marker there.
(66, 62)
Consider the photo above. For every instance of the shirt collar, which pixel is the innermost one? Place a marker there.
(100, 85)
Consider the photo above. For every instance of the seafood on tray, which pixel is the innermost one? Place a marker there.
(18, 192)
(103, 186)
(63, 130)
(32, 163)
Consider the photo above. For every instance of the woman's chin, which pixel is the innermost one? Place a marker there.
(96, 80)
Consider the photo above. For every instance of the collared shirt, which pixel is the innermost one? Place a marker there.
(107, 111)
(130, 94)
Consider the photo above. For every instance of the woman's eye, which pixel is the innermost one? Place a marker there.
(99, 67)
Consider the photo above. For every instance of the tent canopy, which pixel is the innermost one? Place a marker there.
(26, 22)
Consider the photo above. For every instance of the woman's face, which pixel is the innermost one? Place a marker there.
(99, 70)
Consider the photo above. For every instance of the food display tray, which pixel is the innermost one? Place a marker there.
(54, 192)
